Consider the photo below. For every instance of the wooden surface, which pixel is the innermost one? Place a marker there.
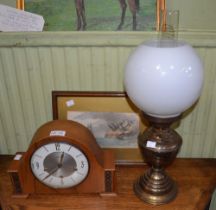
(196, 179)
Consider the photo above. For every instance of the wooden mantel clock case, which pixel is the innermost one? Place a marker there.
(63, 157)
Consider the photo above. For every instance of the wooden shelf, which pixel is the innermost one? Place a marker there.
(196, 179)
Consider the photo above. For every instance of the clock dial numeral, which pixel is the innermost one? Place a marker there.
(50, 180)
(39, 156)
(81, 174)
(32, 165)
(42, 174)
(79, 155)
(58, 146)
(46, 149)
(62, 181)
(72, 179)
(37, 165)
(82, 164)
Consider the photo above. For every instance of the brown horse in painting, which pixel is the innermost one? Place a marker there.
(81, 18)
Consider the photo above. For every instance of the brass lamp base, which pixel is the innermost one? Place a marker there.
(155, 187)
(159, 145)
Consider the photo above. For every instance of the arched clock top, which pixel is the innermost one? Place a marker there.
(71, 131)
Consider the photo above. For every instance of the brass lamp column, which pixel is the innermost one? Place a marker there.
(159, 145)
(163, 78)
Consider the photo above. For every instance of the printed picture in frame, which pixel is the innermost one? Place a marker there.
(97, 15)
(113, 119)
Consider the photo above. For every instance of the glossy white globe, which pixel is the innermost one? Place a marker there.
(164, 77)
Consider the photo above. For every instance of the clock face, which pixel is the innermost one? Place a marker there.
(59, 165)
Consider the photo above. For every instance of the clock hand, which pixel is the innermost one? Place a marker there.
(61, 160)
(51, 172)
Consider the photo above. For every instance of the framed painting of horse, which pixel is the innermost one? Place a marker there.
(96, 15)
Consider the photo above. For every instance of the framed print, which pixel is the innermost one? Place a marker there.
(111, 116)
(93, 15)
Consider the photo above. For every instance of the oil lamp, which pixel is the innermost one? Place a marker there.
(163, 78)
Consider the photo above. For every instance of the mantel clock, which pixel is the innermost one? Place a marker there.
(63, 158)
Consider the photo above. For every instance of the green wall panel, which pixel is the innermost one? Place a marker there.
(34, 64)
(195, 14)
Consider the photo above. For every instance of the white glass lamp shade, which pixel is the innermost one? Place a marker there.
(164, 77)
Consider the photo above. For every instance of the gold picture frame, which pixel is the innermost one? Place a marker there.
(64, 102)
(20, 4)
(160, 6)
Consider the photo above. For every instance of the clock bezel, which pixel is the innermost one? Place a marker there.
(69, 144)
